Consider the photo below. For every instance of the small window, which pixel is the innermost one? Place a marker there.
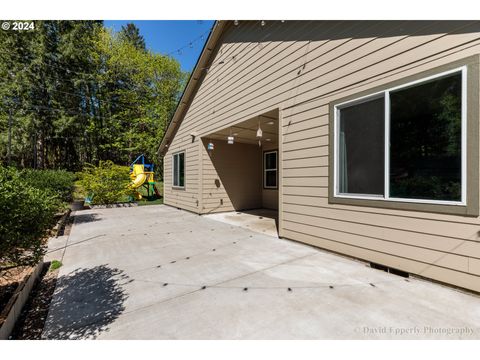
(404, 143)
(270, 162)
(179, 169)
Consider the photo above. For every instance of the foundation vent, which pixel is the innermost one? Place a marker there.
(389, 270)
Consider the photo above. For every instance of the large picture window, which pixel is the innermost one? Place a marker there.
(178, 169)
(406, 143)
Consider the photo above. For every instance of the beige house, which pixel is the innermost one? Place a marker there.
(363, 135)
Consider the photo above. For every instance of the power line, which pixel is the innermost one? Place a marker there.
(85, 97)
(190, 44)
(178, 51)
(227, 59)
(57, 66)
(65, 111)
(82, 97)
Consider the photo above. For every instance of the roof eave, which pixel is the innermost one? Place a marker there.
(194, 82)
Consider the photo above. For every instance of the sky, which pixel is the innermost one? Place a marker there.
(167, 36)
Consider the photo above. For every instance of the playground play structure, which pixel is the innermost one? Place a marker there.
(142, 175)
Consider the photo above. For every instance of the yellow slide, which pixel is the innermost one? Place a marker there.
(141, 177)
(138, 176)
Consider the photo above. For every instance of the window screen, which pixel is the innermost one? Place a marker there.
(361, 148)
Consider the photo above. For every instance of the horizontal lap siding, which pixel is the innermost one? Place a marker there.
(215, 199)
(187, 198)
(285, 87)
(442, 247)
(301, 67)
(458, 278)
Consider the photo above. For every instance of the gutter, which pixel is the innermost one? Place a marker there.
(196, 77)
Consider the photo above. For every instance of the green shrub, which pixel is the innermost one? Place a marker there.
(57, 182)
(26, 213)
(107, 182)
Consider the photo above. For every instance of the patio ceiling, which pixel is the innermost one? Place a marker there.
(246, 131)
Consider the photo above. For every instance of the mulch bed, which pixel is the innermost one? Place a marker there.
(34, 314)
(31, 322)
(6, 291)
(9, 282)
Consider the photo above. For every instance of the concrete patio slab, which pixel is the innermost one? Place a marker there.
(263, 221)
(56, 248)
(156, 272)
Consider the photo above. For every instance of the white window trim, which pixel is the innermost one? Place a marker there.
(178, 170)
(386, 94)
(265, 169)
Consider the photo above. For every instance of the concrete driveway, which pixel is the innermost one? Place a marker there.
(155, 272)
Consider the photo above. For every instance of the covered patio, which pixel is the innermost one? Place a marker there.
(243, 166)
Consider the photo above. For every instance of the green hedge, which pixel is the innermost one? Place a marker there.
(26, 213)
(58, 183)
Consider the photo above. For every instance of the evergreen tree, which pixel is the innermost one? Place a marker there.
(131, 34)
(79, 93)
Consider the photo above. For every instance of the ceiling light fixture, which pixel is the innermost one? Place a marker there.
(259, 131)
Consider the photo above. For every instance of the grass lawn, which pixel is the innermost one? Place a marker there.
(144, 201)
